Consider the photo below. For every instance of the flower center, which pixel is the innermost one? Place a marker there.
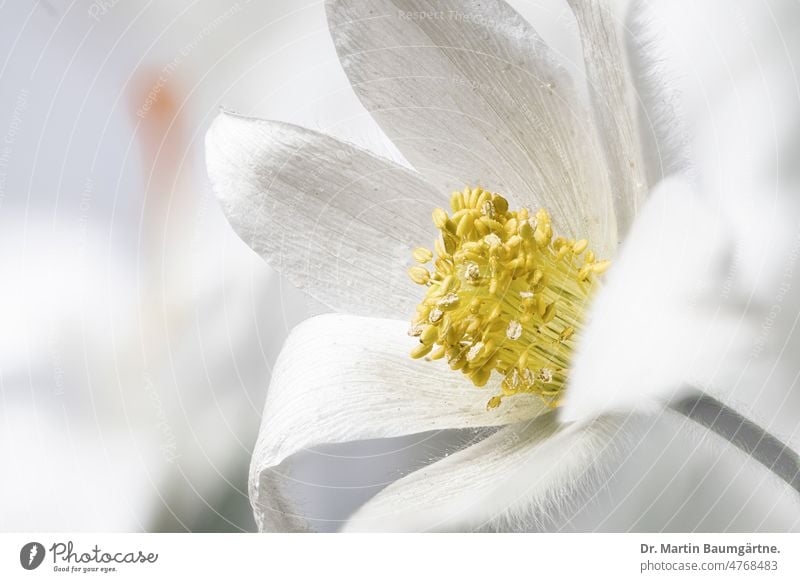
(502, 295)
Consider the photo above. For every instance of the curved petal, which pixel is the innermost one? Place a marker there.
(659, 473)
(339, 222)
(469, 93)
(711, 298)
(663, 117)
(656, 325)
(675, 315)
(613, 106)
(523, 471)
(678, 476)
(685, 69)
(344, 378)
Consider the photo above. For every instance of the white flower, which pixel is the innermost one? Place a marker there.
(471, 95)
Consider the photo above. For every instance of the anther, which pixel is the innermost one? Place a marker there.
(503, 294)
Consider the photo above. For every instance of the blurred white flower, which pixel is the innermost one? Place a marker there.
(470, 94)
(132, 348)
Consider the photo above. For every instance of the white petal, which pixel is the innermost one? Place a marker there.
(668, 320)
(679, 477)
(338, 221)
(649, 329)
(469, 93)
(614, 110)
(686, 68)
(515, 477)
(343, 378)
(731, 329)
(664, 121)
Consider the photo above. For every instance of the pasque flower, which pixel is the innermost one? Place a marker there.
(543, 179)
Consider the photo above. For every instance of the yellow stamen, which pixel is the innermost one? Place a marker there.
(503, 295)
(422, 255)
